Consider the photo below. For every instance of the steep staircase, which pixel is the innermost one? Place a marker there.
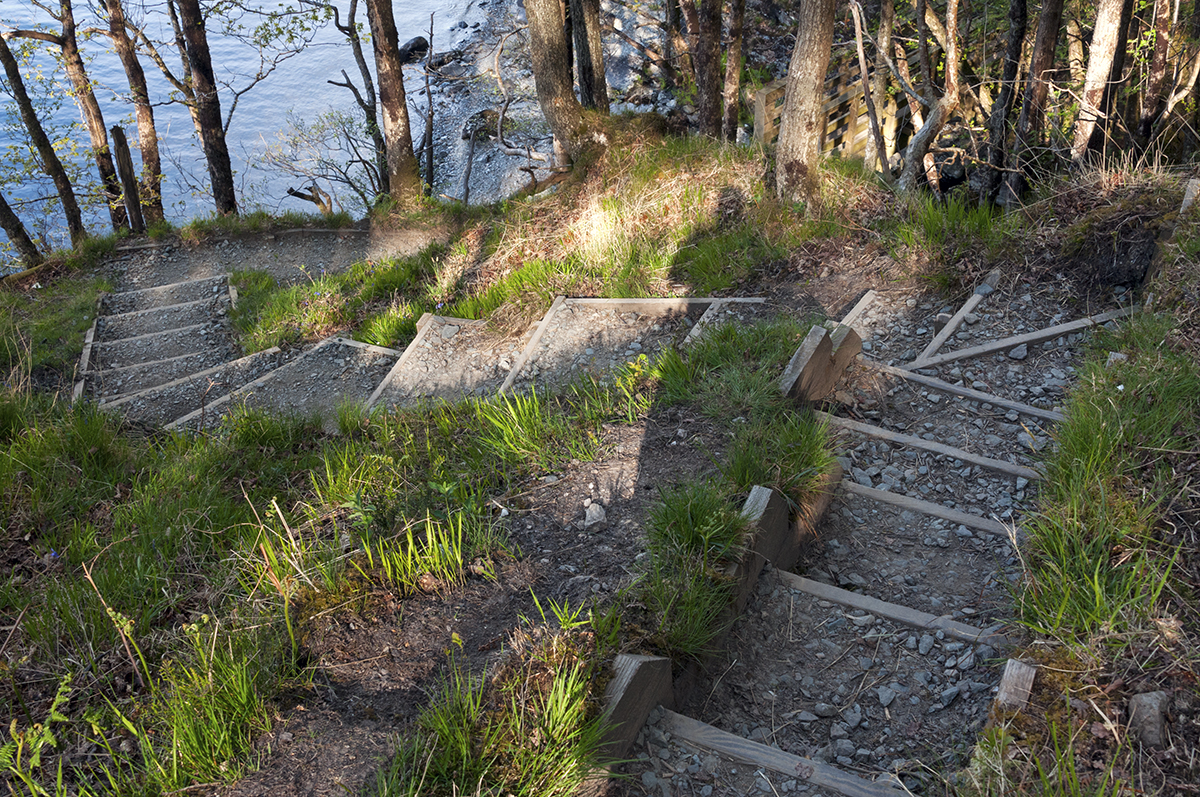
(890, 648)
(892, 639)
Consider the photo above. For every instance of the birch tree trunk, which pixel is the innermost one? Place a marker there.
(1100, 61)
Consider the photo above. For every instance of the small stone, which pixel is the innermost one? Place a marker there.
(649, 780)
(947, 696)
(449, 331)
(839, 731)
(853, 717)
(843, 747)
(807, 716)
(925, 645)
(886, 696)
(1019, 353)
(594, 516)
(825, 710)
(1147, 715)
(971, 318)
(1115, 357)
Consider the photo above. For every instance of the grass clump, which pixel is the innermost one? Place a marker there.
(42, 338)
(530, 728)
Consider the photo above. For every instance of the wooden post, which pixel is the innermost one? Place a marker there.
(129, 188)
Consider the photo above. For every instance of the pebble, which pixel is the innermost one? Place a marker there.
(1019, 353)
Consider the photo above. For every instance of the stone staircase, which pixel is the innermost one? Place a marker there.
(166, 356)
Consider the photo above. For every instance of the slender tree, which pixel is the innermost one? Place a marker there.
(589, 54)
(706, 55)
(404, 178)
(117, 31)
(733, 70)
(796, 176)
(41, 143)
(15, 230)
(1100, 61)
(939, 113)
(1154, 97)
(206, 109)
(1029, 123)
(552, 77)
(366, 99)
(998, 122)
(67, 44)
(880, 84)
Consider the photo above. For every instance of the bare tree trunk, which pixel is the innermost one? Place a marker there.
(366, 100)
(1156, 79)
(89, 107)
(872, 116)
(151, 188)
(16, 233)
(733, 70)
(998, 123)
(552, 76)
(1029, 123)
(796, 176)
(589, 54)
(41, 142)
(706, 55)
(404, 178)
(883, 100)
(1076, 63)
(939, 114)
(1100, 61)
(207, 106)
(923, 53)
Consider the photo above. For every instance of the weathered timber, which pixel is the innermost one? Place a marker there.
(811, 771)
(926, 507)
(929, 445)
(989, 284)
(893, 611)
(639, 684)
(532, 345)
(1038, 336)
(424, 324)
(1015, 685)
(965, 392)
(860, 307)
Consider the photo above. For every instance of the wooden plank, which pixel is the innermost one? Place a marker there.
(1050, 333)
(965, 392)
(893, 611)
(929, 445)
(169, 284)
(991, 281)
(814, 772)
(1015, 685)
(858, 310)
(531, 346)
(160, 308)
(639, 684)
(926, 507)
(358, 344)
(813, 354)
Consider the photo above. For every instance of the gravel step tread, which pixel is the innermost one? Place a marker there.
(111, 383)
(594, 340)
(450, 358)
(206, 337)
(164, 295)
(316, 384)
(160, 319)
(844, 686)
(164, 403)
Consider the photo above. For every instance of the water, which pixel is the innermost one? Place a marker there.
(298, 85)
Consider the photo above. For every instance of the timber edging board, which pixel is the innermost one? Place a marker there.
(817, 773)
(895, 612)
(1037, 336)
(965, 392)
(927, 507)
(997, 465)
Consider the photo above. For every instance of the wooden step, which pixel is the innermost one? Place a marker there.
(926, 507)
(965, 392)
(1039, 336)
(989, 285)
(816, 773)
(998, 465)
(162, 295)
(894, 611)
(113, 328)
